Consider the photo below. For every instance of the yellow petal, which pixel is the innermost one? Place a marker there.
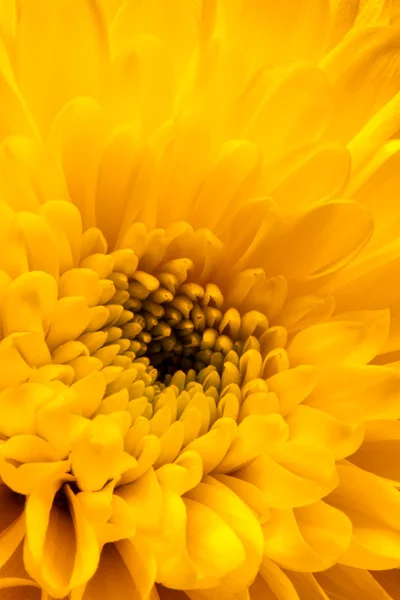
(372, 505)
(212, 545)
(60, 77)
(112, 578)
(234, 168)
(318, 536)
(255, 435)
(145, 500)
(307, 585)
(30, 303)
(270, 31)
(77, 137)
(272, 583)
(137, 557)
(118, 170)
(213, 446)
(59, 427)
(308, 174)
(342, 433)
(18, 407)
(380, 450)
(302, 311)
(350, 339)
(96, 453)
(12, 526)
(17, 117)
(349, 583)
(269, 95)
(184, 474)
(213, 494)
(65, 225)
(69, 319)
(374, 389)
(292, 387)
(356, 95)
(15, 370)
(303, 477)
(30, 175)
(314, 230)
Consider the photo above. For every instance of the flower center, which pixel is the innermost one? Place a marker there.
(180, 325)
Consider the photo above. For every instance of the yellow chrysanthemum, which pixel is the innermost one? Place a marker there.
(199, 300)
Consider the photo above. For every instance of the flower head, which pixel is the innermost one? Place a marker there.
(199, 310)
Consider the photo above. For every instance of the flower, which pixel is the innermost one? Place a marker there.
(200, 350)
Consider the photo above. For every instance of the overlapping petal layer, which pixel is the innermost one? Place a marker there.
(199, 315)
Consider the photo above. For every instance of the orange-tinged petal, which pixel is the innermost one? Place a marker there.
(19, 405)
(137, 557)
(348, 583)
(389, 580)
(12, 524)
(380, 450)
(272, 583)
(15, 369)
(112, 578)
(307, 585)
(355, 92)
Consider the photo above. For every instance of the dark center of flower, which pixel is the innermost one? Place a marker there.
(181, 325)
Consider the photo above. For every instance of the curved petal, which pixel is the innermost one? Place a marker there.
(373, 389)
(270, 30)
(307, 539)
(303, 475)
(348, 339)
(49, 79)
(112, 578)
(315, 231)
(342, 433)
(380, 450)
(372, 504)
(349, 583)
(366, 56)
(215, 495)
